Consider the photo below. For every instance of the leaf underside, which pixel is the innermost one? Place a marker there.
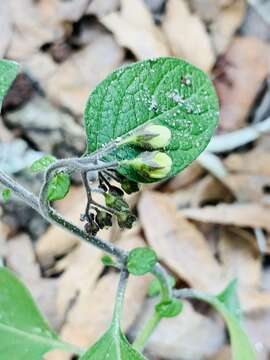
(8, 73)
(113, 345)
(24, 334)
(165, 91)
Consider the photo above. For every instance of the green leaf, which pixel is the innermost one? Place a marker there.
(169, 308)
(241, 346)
(58, 187)
(163, 91)
(42, 163)
(155, 288)
(6, 194)
(24, 334)
(141, 261)
(229, 298)
(113, 345)
(8, 73)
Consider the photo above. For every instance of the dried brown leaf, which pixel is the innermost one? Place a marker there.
(178, 243)
(246, 62)
(73, 80)
(246, 215)
(187, 35)
(134, 29)
(225, 24)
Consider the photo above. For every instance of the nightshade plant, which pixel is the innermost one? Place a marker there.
(144, 123)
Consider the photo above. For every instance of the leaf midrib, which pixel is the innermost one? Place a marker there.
(53, 343)
(156, 118)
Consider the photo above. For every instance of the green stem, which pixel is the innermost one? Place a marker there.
(118, 308)
(147, 331)
(166, 294)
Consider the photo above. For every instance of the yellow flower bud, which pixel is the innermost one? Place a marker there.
(150, 137)
(153, 165)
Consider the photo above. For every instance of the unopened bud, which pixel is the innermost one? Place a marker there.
(153, 165)
(103, 218)
(125, 219)
(150, 137)
(115, 202)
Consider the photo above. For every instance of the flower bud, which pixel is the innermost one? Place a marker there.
(103, 218)
(125, 219)
(150, 137)
(153, 165)
(115, 202)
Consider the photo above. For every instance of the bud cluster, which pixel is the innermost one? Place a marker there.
(151, 164)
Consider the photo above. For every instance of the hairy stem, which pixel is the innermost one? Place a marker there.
(120, 297)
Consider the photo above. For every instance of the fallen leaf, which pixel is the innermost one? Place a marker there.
(249, 188)
(178, 243)
(73, 80)
(38, 26)
(134, 29)
(246, 62)
(102, 7)
(6, 27)
(251, 162)
(246, 215)
(226, 23)
(184, 178)
(187, 35)
(240, 258)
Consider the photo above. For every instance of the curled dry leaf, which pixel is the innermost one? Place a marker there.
(246, 62)
(91, 314)
(187, 35)
(178, 243)
(134, 29)
(246, 215)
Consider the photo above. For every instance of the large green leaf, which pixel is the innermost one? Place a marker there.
(24, 334)
(8, 73)
(164, 91)
(113, 345)
(227, 304)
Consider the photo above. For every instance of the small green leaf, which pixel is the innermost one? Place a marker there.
(113, 345)
(6, 194)
(107, 261)
(141, 261)
(169, 308)
(24, 334)
(229, 298)
(58, 187)
(241, 346)
(163, 91)
(8, 73)
(42, 163)
(155, 288)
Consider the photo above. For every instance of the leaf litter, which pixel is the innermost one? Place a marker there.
(205, 228)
